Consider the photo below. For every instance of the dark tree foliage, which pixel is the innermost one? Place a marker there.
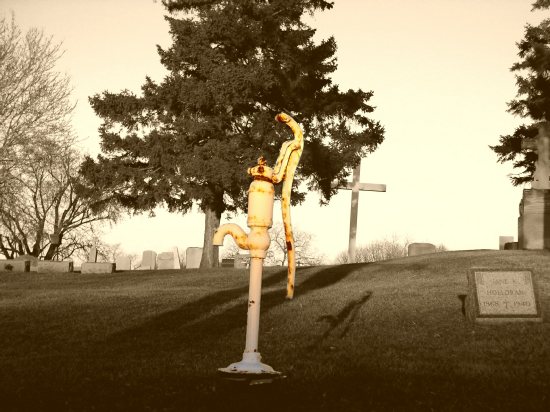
(533, 97)
(233, 66)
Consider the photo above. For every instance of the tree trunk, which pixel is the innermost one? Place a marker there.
(209, 251)
(51, 252)
(55, 242)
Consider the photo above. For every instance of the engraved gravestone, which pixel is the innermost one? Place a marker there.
(497, 295)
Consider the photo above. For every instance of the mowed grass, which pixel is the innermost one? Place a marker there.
(382, 336)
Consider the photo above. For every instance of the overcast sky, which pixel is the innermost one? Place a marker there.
(440, 74)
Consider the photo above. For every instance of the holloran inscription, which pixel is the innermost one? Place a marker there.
(505, 293)
(502, 295)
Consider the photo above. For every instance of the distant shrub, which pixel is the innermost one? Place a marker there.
(381, 250)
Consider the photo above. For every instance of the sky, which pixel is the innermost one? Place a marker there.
(439, 70)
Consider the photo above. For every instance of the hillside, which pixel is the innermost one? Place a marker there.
(379, 336)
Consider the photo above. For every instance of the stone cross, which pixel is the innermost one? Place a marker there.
(355, 186)
(541, 145)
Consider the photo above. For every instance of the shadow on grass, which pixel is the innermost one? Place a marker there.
(199, 324)
(345, 317)
(462, 299)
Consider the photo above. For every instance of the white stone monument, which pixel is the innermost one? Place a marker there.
(193, 256)
(123, 263)
(165, 260)
(534, 208)
(177, 260)
(149, 260)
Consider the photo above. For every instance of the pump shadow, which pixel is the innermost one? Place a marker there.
(190, 327)
(343, 318)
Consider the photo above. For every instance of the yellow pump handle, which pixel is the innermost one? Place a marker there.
(284, 169)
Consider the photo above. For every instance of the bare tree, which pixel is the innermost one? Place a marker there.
(34, 97)
(42, 211)
(306, 255)
(389, 248)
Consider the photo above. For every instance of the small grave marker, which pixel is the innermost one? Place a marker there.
(149, 260)
(242, 261)
(177, 260)
(11, 265)
(97, 267)
(502, 295)
(167, 260)
(123, 263)
(193, 257)
(55, 266)
(416, 249)
(502, 240)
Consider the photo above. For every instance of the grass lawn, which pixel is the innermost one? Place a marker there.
(382, 336)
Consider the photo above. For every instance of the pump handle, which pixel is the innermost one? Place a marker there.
(284, 169)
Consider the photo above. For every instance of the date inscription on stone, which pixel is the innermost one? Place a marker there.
(504, 294)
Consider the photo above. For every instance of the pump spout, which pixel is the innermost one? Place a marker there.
(239, 235)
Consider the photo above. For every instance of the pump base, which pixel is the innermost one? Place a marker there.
(249, 366)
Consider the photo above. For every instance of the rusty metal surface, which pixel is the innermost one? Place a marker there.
(284, 169)
(261, 195)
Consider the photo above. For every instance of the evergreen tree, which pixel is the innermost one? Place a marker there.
(533, 97)
(233, 65)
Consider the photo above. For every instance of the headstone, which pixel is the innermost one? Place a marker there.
(166, 260)
(92, 254)
(502, 295)
(242, 261)
(12, 265)
(416, 249)
(177, 259)
(511, 246)
(355, 186)
(54, 266)
(534, 208)
(123, 263)
(148, 260)
(33, 260)
(97, 267)
(502, 240)
(228, 263)
(193, 256)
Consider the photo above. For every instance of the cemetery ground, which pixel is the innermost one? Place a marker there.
(379, 336)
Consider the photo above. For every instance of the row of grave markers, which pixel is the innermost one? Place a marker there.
(150, 261)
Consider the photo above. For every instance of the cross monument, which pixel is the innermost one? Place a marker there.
(355, 186)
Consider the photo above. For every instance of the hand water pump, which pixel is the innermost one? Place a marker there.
(260, 219)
